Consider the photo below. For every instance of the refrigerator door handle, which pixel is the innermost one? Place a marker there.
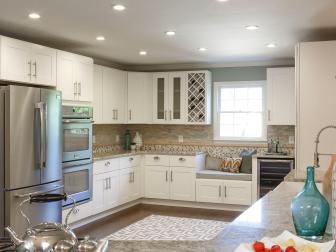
(41, 106)
(38, 192)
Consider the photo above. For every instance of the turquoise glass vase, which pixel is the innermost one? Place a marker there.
(310, 210)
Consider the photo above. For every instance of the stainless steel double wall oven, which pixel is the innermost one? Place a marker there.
(77, 152)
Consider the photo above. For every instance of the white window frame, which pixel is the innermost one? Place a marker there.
(237, 84)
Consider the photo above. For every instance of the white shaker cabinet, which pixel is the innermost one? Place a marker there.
(160, 97)
(315, 103)
(74, 76)
(130, 184)
(281, 96)
(157, 182)
(114, 96)
(182, 183)
(97, 102)
(139, 97)
(27, 63)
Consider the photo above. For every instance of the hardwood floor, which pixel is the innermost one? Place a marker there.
(108, 225)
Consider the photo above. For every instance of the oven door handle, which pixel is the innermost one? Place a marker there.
(275, 160)
(77, 121)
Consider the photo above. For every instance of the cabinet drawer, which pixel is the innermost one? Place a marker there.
(83, 211)
(162, 160)
(131, 161)
(105, 165)
(182, 161)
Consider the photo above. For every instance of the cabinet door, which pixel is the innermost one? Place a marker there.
(66, 82)
(139, 97)
(160, 98)
(114, 95)
(209, 190)
(177, 98)
(43, 65)
(135, 190)
(97, 94)
(157, 182)
(125, 184)
(182, 185)
(99, 187)
(237, 192)
(15, 60)
(281, 96)
(111, 194)
(84, 78)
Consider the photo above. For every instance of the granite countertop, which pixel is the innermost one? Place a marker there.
(123, 153)
(269, 216)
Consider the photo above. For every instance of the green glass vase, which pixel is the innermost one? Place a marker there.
(310, 210)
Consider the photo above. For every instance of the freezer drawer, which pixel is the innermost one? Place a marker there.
(37, 212)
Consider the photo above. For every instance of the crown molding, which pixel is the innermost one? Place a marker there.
(209, 65)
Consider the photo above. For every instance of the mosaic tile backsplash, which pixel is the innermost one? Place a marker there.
(164, 138)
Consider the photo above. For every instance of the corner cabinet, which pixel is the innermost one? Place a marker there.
(74, 76)
(281, 96)
(25, 62)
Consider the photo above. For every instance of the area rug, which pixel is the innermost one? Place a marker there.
(166, 228)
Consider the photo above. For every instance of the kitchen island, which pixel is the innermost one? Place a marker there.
(269, 216)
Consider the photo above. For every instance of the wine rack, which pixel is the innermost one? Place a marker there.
(196, 90)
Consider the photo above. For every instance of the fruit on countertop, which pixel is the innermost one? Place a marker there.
(290, 249)
(288, 246)
(259, 246)
(276, 248)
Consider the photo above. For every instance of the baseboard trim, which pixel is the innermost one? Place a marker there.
(148, 201)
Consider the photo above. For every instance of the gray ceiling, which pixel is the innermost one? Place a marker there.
(74, 24)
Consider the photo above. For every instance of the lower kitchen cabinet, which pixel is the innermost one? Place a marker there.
(182, 183)
(82, 211)
(130, 185)
(224, 191)
(105, 191)
(157, 182)
(175, 183)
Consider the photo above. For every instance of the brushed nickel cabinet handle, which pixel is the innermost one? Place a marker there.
(225, 191)
(171, 176)
(117, 114)
(35, 69)
(131, 159)
(269, 115)
(182, 159)
(170, 115)
(166, 176)
(107, 164)
(156, 158)
(30, 68)
(220, 191)
(130, 178)
(75, 88)
(165, 115)
(130, 115)
(133, 177)
(80, 88)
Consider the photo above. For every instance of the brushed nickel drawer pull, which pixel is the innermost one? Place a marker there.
(220, 191)
(156, 158)
(182, 159)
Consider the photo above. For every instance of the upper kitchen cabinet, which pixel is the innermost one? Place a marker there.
(198, 92)
(281, 96)
(139, 97)
(27, 63)
(75, 76)
(315, 103)
(169, 98)
(98, 94)
(114, 96)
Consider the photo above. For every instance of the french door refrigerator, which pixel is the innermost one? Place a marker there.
(30, 154)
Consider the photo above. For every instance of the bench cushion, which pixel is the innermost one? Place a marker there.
(211, 174)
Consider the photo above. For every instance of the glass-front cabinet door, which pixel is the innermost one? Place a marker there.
(177, 98)
(160, 98)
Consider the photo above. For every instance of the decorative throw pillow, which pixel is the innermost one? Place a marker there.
(246, 166)
(212, 163)
(231, 165)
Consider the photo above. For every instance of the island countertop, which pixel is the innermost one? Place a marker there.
(269, 216)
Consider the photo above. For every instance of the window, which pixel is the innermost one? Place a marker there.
(239, 111)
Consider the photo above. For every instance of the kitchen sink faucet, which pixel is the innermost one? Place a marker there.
(317, 141)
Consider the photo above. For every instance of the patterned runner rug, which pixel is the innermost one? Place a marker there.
(158, 227)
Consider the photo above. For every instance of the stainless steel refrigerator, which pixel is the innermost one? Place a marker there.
(30, 154)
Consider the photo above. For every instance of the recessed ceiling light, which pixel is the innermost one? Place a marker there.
(221, 1)
(119, 7)
(271, 45)
(202, 49)
(170, 33)
(100, 38)
(252, 27)
(34, 15)
(143, 53)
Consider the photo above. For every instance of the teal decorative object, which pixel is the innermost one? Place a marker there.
(127, 140)
(310, 210)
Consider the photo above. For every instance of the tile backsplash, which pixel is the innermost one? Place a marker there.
(169, 134)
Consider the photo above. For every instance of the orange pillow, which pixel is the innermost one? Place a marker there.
(231, 165)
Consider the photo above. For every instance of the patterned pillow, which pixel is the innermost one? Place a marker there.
(230, 164)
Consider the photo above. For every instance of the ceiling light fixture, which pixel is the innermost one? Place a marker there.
(170, 33)
(271, 45)
(202, 49)
(143, 53)
(100, 38)
(252, 27)
(34, 15)
(119, 7)
(222, 1)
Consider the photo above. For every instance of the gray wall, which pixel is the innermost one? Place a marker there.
(253, 73)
